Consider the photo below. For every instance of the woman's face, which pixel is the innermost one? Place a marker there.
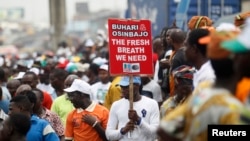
(183, 90)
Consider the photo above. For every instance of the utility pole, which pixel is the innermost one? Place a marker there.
(57, 21)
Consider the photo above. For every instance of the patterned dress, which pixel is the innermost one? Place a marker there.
(207, 105)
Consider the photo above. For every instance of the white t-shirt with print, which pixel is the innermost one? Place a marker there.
(146, 108)
(99, 91)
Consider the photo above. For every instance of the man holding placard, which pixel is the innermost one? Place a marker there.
(138, 123)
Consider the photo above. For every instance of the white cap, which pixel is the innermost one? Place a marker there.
(99, 61)
(79, 85)
(104, 67)
(89, 43)
(20, 75)
(35, 70)
(82, 67)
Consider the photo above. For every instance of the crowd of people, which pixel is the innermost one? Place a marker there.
(201, 77)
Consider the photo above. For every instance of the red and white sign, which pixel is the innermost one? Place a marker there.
(130, 47)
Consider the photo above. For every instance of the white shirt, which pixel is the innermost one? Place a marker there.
(6, 93)
(47, 88)
(99, 91)
(205, 73)
(156, 70)
(146, 108)
(155, 88)
(3, 116)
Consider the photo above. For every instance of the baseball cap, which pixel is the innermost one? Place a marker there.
(79, 85)
(242, 43)
(71, 67)
(82, 67)
(125, 81)
(19, 75)
(104, 67)
(35, 70)
(89, 43)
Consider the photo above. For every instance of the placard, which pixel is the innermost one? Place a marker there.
(130, 47)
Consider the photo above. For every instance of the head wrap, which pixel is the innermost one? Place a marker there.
(183, 75)
(199, 21)
(239, 20)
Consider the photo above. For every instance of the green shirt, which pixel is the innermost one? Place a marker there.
(62, 107)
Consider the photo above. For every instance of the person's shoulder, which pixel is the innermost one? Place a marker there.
(166, 104)
(39, 121)
(119, 102)
(45, 93)
(148, 100)
(102, 108)
(181, 50)
(154, 84)
(4, 102)
(96, 84)
(47, 96)
(180, 53)
(51, 113)
(60, 98)
(233, 102)
(116, 80)
(167, 101)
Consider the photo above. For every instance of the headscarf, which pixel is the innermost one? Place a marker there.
(199, 21)
(183, 75)
(239, 20)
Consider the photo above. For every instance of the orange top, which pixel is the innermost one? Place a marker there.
(171, 77)
(47, 100)
(78, 130)
(243, 89)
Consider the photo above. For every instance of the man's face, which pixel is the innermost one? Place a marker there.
(29, 80)
(39, 100)
(13, 108)
(75, 99)
(157, 45)
(103, 75)
(163, 40)
(189, 51)
(50, 65)
(55, 82)
(125, 90)
(168, 39)
(183, 90)
(5, 130)
(12, 87)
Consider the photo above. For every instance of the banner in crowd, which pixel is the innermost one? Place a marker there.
(130, 47)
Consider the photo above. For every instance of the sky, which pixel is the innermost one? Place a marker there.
(38, 11)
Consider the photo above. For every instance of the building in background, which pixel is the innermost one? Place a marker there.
(83, 17)
(163, 12)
